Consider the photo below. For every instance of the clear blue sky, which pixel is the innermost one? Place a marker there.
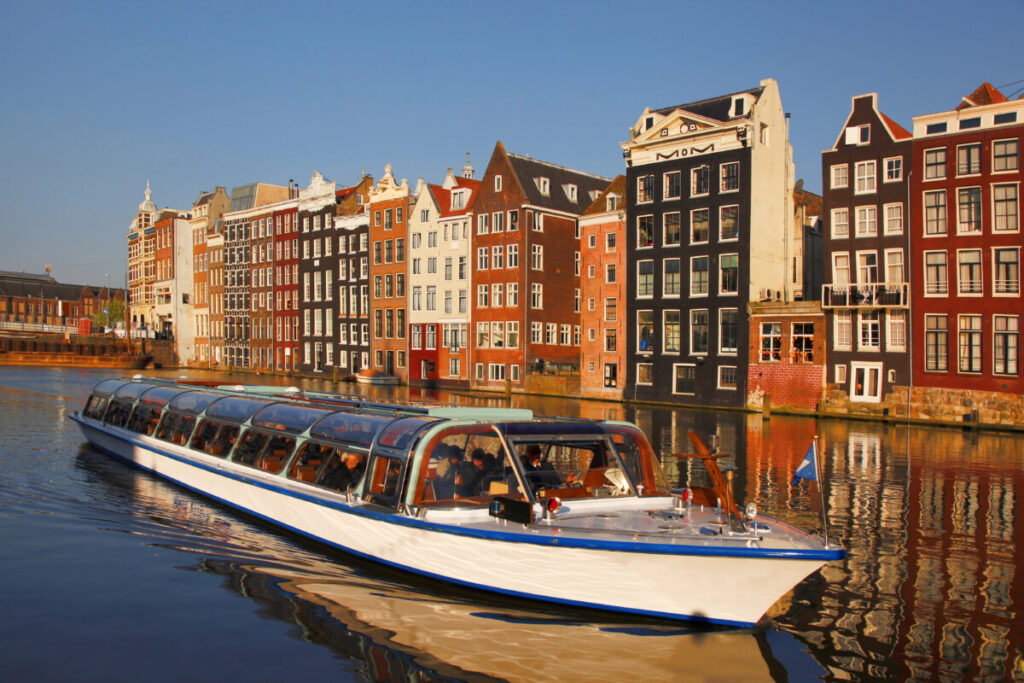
(98, 97)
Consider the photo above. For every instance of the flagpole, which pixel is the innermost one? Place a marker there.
(821, 488)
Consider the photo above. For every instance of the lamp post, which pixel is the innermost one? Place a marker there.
(107, 307)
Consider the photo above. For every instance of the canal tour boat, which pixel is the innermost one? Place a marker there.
(567, 511)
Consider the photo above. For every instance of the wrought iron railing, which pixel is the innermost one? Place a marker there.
(866, 295)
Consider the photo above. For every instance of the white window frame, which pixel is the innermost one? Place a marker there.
(891, 226)
(888, 164)
(840, 176)
(864, 397)
(869, 178)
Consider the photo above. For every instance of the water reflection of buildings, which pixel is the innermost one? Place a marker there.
(930, 585)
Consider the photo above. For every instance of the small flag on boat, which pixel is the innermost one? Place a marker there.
(808, 467)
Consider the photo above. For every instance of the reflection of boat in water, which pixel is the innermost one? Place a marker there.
(568, 511)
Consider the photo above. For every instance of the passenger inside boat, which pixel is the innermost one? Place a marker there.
(342, 471)
(540, 474)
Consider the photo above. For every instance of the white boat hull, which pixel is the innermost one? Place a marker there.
(719, 588)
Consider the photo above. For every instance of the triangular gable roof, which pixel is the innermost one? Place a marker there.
(527, 169)
(896, 131)
(682, 117)
(985, 94)
(600, 205)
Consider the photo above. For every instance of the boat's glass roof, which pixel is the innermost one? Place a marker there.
(131, 391)
(107, 387)
(193, 401)
(288, 417)
(159, 396)
(355, 429)
(399, 433)
(545, 428)
(234, 409)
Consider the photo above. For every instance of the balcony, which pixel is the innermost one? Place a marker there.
(872, 295)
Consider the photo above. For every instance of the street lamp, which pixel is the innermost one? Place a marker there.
(107, 307)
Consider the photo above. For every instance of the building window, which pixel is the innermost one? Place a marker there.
(894, 266)
(935, 213)
(936, 279)
(610, 308)
(730, 181)
(673, 185)
(483, 224)
(727, 377)
(867, 382)
(644, 231)
(699, 276)
(645, 189)
(609, 273)
(728, 334)
(968, 159)
(893, 219)
(897, 338)
(611, 342)
(645, 278)
(840, 374)
(497, 183)
(671, 228)
(536, 295)
(893, 169)
(609, 241)
(934, 164)
(771, 342)
(867, 221)
(936, 343)
(865, 172)
(728, 223)
(700, 181)
(803, 342)
(870, 331)
(645, 373)
(684, 379)
(840, 223)
(1007, 270)
(1006, 338)
(670, 280)
(536, 257)
(840, 176)
(645, 331)
(699, 226)
(670, 324)
(970, 343)
(699, 331)
(728, 282)
(844, 330)
(1004, 200)
(1005, 156)
(611, 373)
(969, 280)
(969, 204)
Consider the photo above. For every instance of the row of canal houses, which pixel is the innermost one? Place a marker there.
(702, 275)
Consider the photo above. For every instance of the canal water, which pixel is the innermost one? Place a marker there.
(111, 574)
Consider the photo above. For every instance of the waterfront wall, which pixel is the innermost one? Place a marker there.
(932, 404)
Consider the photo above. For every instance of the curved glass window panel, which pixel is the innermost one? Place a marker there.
(234, 409)
(400, 433)
(193, 401)
(176, 428)
(159, 396)
(107, 387)
(131, 391)
(250, 448)
(341, 470)
(144, 419)
(288, 417)
(355, 429)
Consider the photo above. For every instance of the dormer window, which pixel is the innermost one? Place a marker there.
(612, 202)
(571, 192)
(594, 194)
(738, 107)
(497, 183)
(649, 123)
(459, 200)
(544, 185)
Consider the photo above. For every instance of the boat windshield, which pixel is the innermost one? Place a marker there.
(572, 466)
(350, 428)
(193, 402)
(288, 417)
(234, 409)
(159, 396)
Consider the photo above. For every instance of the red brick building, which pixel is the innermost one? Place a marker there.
(787, 355)
(603, 281)
(286, 286)
(525, 257)
(389, 203)
(966, 246)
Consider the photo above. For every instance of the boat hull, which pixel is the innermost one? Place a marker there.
(732, 588)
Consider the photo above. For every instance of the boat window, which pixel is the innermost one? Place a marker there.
(234, 409)
(95, 407)
(468, 465)
(192, 401)
(385, 480)
(350, 428)
(288, 417)
(176, 428)
(143, 419)
(159, 396)
(571, 467)
(343, 469)
(118, 411)
(107, 387)
(250, 447)
(637, 455)
(399, 434)
(215, 438)
(275, 455)
(311, 457)
(131, 391)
